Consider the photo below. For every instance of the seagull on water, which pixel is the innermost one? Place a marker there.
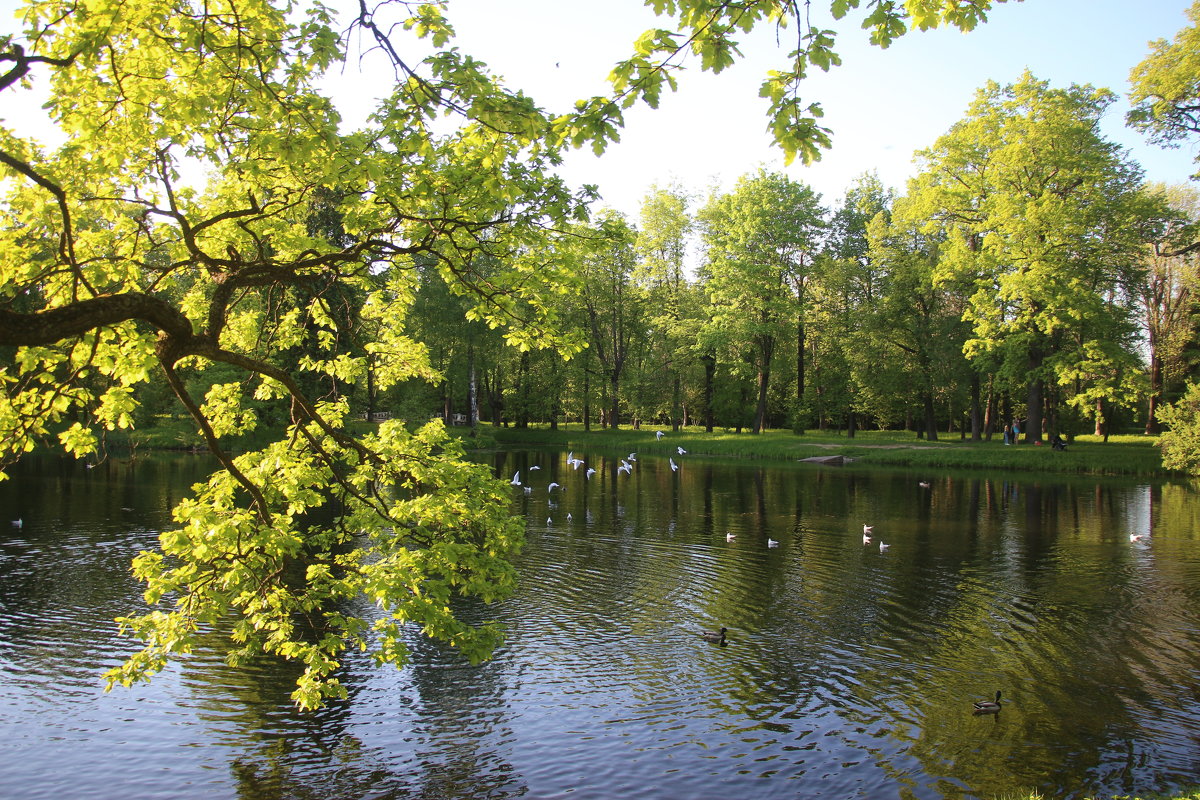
(772, 543)
(658, 434)
(674, 466)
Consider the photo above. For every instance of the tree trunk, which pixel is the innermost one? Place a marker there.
(523, 379)
(1033, 411)
(930, 418)
(976, 410)
(614, 418)
(587, 400)
(799, 362)
(710, 370)
(676, 403)
(989, 419)
(1156, 389)
(472, 391)
(766, 350)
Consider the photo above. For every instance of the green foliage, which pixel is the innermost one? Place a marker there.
(1180, 443)
(209, 220)
(1042, 237)
(1166, 86)
(712, 33)
(761, 241)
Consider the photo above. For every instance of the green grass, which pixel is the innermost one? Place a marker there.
(1087, 455)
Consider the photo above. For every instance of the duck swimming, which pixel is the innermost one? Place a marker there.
(987, 706)
(714, 636)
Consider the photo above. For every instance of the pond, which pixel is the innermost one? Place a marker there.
(847, 671)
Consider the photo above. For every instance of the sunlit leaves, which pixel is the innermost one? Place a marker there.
(711, 32)
(1166, 86)
(1039, 214)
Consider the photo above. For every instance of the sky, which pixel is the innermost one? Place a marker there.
(882, 105)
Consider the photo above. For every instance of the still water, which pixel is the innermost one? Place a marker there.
(848, 671)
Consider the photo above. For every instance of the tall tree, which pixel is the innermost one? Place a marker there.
(1044, 215)
(761, 241)
(610, 300)
(848, 291)
(662, 241)
(1168, 295)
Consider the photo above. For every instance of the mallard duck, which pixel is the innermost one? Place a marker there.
(714, 636)
(987, 706)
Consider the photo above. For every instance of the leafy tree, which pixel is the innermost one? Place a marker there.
(1167, 296)
(1165, 87)
(1180, 443)
(149, 270)
(845, 296)
(1045, 216)
(761, 242)
(611, 301)
(661, 249)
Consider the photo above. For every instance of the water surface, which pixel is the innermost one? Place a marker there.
(848, 671)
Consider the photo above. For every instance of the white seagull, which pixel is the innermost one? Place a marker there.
(772, 543)
(516, 481)
(552, 486)
(681, 451)
(658, 434)
(674, 466)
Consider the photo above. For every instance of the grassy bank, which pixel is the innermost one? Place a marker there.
(1087, 455)
(1131, 455)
